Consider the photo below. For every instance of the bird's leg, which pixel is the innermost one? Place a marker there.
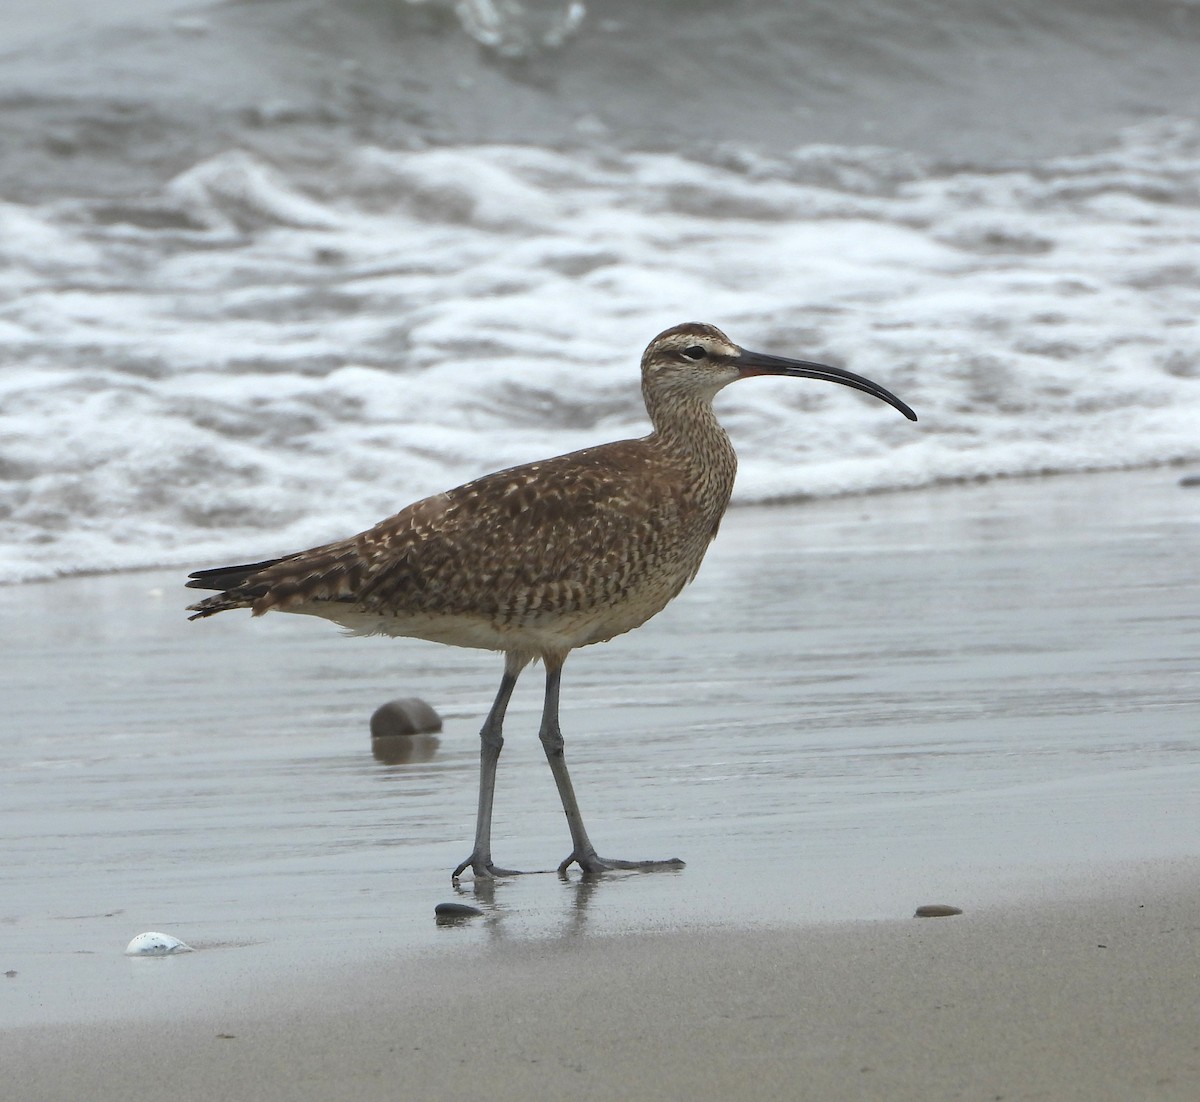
(583, 853)
(491, 740)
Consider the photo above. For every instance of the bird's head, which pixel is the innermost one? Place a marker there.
(698, 360)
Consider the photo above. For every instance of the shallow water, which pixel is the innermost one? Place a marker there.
(860, 706)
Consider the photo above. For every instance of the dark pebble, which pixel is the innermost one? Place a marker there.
(454, 912)
(411, 716)
(1190, 480)
(936, 910)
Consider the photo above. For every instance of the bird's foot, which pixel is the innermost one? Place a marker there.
(482, 868)
(591, 863)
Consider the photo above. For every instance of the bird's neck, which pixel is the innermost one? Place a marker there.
(687, 429)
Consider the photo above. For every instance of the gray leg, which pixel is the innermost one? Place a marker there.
(491, 740)
(583, 853)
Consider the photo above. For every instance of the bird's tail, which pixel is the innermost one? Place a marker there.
(237, 586)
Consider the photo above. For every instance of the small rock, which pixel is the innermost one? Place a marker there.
(153, 944)
(455, 912)
(936, 910)
(410, 716)
(1190, 480)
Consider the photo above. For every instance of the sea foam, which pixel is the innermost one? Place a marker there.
(249, 361)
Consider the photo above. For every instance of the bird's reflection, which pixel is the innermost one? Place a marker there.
(577, 892)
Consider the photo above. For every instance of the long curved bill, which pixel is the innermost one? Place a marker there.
(750, 364)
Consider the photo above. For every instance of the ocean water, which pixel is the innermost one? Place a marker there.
(214, 344)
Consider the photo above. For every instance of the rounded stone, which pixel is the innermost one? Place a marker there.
(455, 912)
(410, 716)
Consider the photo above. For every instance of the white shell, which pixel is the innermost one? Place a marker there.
(153, 944)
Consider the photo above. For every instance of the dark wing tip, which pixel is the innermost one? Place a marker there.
(226, 577)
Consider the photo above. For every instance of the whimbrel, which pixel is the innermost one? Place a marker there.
(540, 559)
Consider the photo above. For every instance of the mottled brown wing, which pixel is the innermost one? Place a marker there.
(543, 538)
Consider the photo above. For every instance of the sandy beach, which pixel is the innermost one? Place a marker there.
(983, 696)
(1091, 999)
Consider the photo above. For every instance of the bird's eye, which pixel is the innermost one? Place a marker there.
(695, 352)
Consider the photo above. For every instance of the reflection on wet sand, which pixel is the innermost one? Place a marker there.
(404, 749)
(571, 904)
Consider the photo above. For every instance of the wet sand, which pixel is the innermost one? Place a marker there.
(1092, 999)
(982, 696)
